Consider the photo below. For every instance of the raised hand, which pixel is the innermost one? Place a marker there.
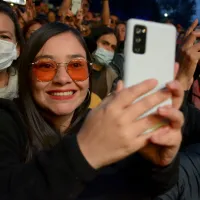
(30, 12)
(189, 56)
(112, 131)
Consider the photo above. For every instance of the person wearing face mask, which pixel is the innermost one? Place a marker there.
(102, 44)
(11, 41)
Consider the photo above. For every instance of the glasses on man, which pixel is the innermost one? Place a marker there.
(45, 69)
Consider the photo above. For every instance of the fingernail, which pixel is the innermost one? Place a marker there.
(164, 89)
(163, 110)
(173, 85)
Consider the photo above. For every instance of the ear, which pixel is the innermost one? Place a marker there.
(18, 50)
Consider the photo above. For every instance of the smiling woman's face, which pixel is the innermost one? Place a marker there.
(61, 96)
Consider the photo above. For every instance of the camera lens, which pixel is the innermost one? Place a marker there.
(138, 31)
(138, 40)
(137, 50)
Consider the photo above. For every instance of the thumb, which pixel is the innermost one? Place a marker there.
(120, 86)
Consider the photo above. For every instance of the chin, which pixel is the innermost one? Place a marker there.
(63, 109)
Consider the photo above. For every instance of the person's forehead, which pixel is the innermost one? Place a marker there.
(111, 38)
(6, 24)
(121, 26)
(68, 44)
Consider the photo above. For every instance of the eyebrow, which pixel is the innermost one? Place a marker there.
(68, 56)
(113, 46)
(8, 32)
(105, 41)
(75, 56)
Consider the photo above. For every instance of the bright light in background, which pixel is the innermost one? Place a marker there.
(166, 15)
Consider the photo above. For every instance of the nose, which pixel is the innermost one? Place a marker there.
(62, 77)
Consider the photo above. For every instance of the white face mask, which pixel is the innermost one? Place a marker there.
(103, 56)
(8, 53)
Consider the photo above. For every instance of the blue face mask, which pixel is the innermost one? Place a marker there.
(103, 56)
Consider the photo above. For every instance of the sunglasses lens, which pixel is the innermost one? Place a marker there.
(44, 70)
(78, 69)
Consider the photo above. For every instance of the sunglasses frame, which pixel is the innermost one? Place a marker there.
(89, 64)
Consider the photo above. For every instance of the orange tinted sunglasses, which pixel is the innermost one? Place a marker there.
(45, 69)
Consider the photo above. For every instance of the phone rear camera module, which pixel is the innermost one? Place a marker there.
(139, 41)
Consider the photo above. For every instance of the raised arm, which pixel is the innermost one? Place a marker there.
(105, 12)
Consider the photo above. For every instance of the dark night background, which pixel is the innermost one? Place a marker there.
(180, 11)
(125, 9)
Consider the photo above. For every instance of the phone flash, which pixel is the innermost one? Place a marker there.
(144, 31)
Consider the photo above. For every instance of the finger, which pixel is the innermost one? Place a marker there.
(166, 138)
(21, 14)
(174, 116)
(192, 27)
(120, 86)
(111, 95)
(189, 41)
(189, 63)
(195, 48)
(128, 95)
(176, 68)
(177, 92)
(139, 108)
(137, 130)
(141, 141)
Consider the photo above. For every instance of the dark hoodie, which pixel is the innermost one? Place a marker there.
(63, 173)
(188, 185)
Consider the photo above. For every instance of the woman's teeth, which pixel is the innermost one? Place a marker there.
(62, 93)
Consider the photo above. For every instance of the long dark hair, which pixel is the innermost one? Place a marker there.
(7, 10)
(41, 134)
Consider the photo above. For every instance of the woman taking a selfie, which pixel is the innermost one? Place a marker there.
(11, 41)
(53, 147)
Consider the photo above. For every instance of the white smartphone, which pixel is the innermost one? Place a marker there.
(149, 53)
(76, 5)
(19, 2)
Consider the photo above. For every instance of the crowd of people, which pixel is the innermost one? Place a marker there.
(68, 127)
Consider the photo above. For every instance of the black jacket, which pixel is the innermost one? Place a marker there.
(191, 128)
(63, 173)
(188, 186)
